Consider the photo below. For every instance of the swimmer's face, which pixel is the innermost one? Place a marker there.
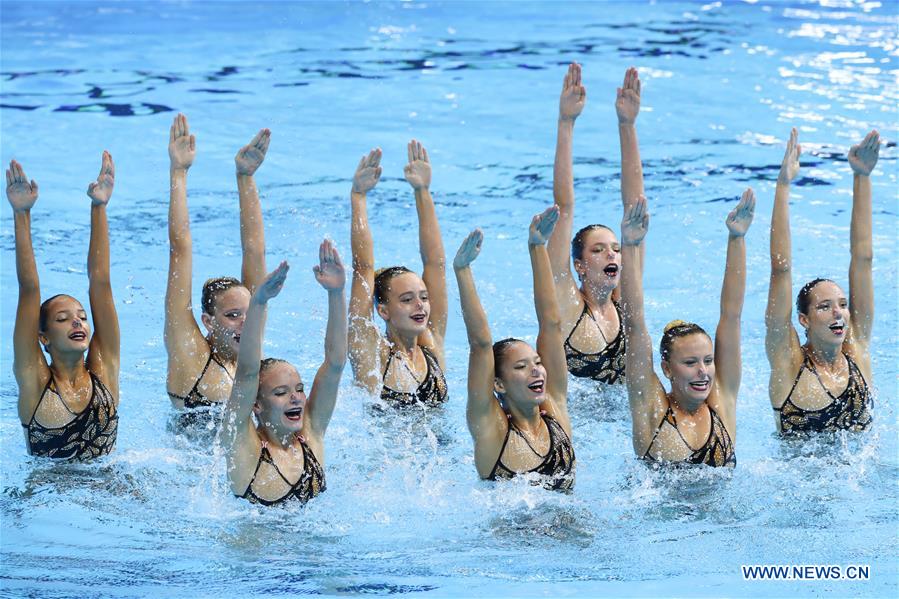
(408, 306)
(691, 369)
(600, 262)
(521, 377)
(281, 402)
(827, 321)
(226, 322)
(67, 327)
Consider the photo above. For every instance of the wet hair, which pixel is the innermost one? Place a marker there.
(674, 330)
(212, 288)
(267, 364)
(577, 243)
(382, 281)
(500, 349)
(805, 294)
(45, 311)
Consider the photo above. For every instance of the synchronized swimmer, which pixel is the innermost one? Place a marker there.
(588, 297)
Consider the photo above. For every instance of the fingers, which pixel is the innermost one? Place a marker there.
(279, 274)
(9, 178)
(577, 74)
(110, 165)
(374, 157)
(193, 143)
(410, 150)
(172, 130)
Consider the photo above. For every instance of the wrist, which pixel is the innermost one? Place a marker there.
(567, 120)
(631, 244)
(244, 174)
(735, 236)
(180, 171)
(626, 124)
(859, 174)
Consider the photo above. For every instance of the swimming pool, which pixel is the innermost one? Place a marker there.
(478, 84)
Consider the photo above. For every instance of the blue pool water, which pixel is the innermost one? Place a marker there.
(478, 83)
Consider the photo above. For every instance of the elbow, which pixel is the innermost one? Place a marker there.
(863, 253)
(780, 264)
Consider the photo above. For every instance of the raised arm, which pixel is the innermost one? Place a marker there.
(252, 231)
(549, 337)
(237, 421)
(103, 355)
(482, 409)
(644, 390)
(330, 274)
(781, 341)
(29, 364)
(364, 337)
(627, 106)
(433, 257)
(733, 290)
(571, 103)
(862, 159)
(183, 340)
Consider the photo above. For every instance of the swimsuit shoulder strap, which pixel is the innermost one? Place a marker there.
(50, 382)
(586, 310)
(668, 413)
(499, 457)
(805, 365)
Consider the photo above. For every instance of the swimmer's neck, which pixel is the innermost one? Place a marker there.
(224, 356)
(826, 357)
(685, 406)
(68, 367)
(282, 440)
(525, 419)
(403, 343)
(598, 297)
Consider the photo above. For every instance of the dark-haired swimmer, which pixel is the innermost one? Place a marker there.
(69, 407)
(280, 456)
(695, 422)
(404, 366)
(517, 397)
(201, 367)
(823, 384)
(591, 317)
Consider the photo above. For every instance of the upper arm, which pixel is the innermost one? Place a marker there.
(363, 336)
(104, 351)
(323, 397)
(781, 341)
(482, 407)
(646, 395)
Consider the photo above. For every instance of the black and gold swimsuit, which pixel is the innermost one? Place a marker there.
(90, 434)
(851, 410)
(557, 468)
(195, 399)
(310, 483)
(432, 390)
(718, 449)
(606, 365)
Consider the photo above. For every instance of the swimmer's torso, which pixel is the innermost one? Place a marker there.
(57, 431)
(590, 353)
(402, 386)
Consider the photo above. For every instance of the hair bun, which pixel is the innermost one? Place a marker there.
(676, 323)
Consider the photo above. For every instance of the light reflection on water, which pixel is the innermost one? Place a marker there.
(404, 512)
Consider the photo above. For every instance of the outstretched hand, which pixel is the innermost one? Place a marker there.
(790, 166)
(469, 250)
(574, 95)
(21, 194)
(329, 272)
(542, 226)
(272, 284)
(182, 145)
(101, 190)
(627, 101)
(740, 217)
(250, 157)
(635, 223)
(368, 172)
(418, 171)
(863, 156)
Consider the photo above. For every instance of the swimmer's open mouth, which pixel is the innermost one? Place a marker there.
(419, 318)
(78, 336)
(838, 327)
(537, 386)
(700, 385)
(611, 270)
(295, 414)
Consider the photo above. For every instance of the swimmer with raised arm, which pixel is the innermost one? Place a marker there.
(69, 407)
(694, 423)
(280, 455)
(591, 316)
(201, 366)
(517, 397)
(822, 385)
(405, 365)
